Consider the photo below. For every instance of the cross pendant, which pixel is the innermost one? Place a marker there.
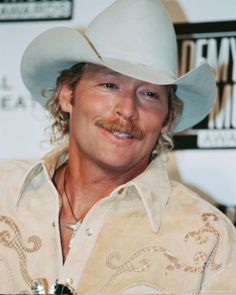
(74, 227)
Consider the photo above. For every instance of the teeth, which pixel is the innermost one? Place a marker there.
(119, 134)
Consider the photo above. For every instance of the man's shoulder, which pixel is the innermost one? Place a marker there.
(193, 207)
(12, 175)
(182, 195)
(13, 167)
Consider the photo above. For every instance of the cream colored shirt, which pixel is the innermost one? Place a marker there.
(150, 235)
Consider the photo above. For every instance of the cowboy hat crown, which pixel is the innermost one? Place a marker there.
(144, 36)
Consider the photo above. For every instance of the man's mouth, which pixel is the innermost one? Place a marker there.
(121, 129)
(120, 134)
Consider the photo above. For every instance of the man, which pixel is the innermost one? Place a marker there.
(99, 213)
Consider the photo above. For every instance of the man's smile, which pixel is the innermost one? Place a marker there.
(120, 129)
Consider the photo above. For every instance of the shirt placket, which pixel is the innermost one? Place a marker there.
(84, 242)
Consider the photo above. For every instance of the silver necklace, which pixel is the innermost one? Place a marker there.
(72, 226)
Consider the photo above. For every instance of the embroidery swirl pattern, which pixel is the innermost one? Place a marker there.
(138, 262)
(200, 236)
(14, 240)
(133, 264)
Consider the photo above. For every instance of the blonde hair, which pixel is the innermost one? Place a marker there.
(61, 120)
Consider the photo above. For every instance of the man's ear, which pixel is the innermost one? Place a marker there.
(167, 122)
(65, 98)
(165, 129)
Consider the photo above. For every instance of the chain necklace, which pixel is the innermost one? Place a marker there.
(72, 226)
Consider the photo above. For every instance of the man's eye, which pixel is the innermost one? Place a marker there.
(109, 85)
(151, 94)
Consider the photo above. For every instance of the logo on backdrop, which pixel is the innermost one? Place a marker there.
(9, 100)
(214, 43)
(35, 10)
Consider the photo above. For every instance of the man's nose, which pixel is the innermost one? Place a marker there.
(126, 107)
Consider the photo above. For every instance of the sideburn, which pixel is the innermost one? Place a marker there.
(169, 116)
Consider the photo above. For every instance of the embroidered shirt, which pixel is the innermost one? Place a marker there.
(150, 235)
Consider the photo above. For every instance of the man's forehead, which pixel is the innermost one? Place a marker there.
(103, 71)
(99, 69)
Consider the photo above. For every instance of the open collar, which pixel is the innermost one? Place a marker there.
(152, 185)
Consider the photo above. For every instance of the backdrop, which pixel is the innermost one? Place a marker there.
(205, 156)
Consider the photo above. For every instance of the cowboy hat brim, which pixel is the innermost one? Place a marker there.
(47, 56)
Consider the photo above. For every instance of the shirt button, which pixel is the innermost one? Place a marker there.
(69, 281)
(88, 231)
(53, 224)
(120, 191)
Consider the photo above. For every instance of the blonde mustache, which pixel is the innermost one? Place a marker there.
(116, 125)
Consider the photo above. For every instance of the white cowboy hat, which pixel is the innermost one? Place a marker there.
(133, 37)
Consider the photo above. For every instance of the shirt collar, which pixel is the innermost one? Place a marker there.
(49, 163)
(154, 188)
(153, 184)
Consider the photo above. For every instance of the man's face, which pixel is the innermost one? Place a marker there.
(115, 120)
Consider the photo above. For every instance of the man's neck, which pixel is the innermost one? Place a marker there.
(80, 184)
